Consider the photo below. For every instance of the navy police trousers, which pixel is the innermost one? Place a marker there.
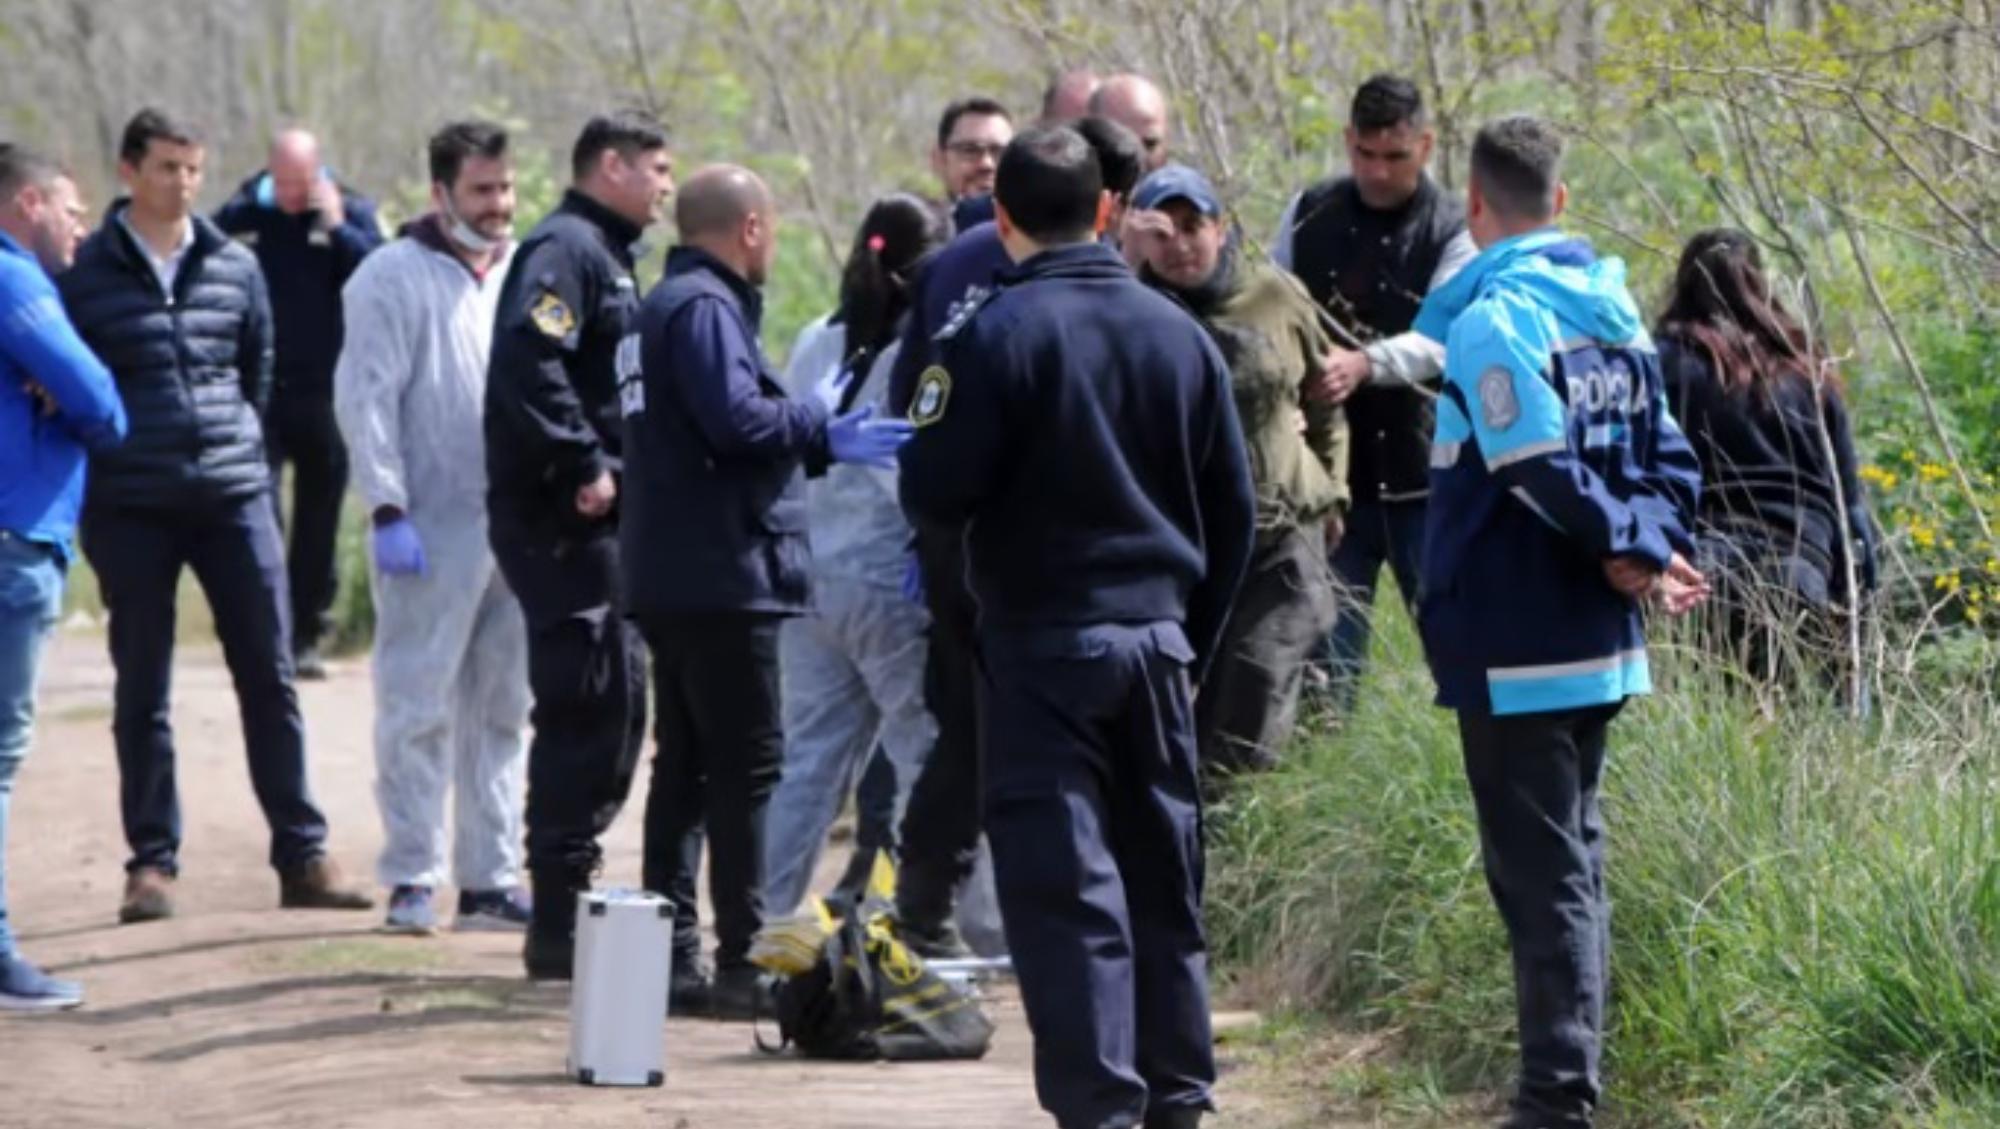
(1093, 810)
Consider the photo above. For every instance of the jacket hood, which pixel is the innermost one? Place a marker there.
(1551, 269)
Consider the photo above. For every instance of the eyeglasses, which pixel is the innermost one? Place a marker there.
(973, 150)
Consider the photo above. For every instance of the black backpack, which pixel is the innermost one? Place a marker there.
(869, 997)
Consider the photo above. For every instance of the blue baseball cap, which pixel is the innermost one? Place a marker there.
(1177, 182)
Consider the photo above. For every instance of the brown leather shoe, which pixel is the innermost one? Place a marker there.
(318, 884)
(149, 896)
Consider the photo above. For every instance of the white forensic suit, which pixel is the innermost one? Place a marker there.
(451, 651)
(853, 671)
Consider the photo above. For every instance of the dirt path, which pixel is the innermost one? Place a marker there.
(235, 1014)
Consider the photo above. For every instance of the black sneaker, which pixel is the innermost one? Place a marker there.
(738, 993)
(508, 909)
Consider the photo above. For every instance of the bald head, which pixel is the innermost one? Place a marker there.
(294, 167)
(717, 199)
(726, 210)
(1068, 96)
(1134, 102)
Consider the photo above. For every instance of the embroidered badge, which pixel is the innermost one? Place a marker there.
(1497, 401)
(933, 393)
(551, 316)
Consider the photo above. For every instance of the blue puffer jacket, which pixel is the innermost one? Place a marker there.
(193, 368)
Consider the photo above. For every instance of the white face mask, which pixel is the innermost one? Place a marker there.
(466, 236)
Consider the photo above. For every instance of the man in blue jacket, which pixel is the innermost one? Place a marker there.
(56, 404)
(713, 540)
(309, 232)
(177, 313)
(941, 824)
(1562, 496)
(1078, 432)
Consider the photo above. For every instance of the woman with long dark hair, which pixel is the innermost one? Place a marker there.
(854, 669)
(1785, 529)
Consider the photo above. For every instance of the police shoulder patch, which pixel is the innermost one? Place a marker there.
(933, 393)
(1498, 402)
(552, 315)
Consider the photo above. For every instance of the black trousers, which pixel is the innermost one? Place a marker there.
(587, 671)
(1250, 700)
(1093, 810)
(875, 804)
(235, 553)
(302, 431)
(942, 824)
(1534, 781)
(720, 749)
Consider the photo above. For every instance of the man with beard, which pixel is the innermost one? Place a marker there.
(450, 664)
(1369, 245)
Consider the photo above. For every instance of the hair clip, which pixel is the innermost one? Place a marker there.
(876, 243)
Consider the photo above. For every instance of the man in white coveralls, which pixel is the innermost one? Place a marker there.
(451, 676)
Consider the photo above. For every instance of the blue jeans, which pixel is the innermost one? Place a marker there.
(1378, 533)
(31, 586)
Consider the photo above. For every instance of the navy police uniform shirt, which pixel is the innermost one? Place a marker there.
(955, 277)
(552, 421)
(1079, 427)
(1554, 452)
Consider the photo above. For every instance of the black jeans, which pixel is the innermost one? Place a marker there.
(234, 550)
(942, 824)
(721, 747)
(303, 432)
(587, 671)
(1534, 782)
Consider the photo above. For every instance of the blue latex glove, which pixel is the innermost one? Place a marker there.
(859, 438)
(398, 551)
(913, 580)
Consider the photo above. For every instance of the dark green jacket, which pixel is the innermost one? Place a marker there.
(1268, 329)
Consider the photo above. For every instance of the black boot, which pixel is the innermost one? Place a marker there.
(939, 940)
(1176, 1117)
(739, 993)
(550, 950)
(688, 987)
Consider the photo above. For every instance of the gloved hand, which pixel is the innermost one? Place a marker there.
(398, 551)
(913, 580)
(859, 438)
(832, 386)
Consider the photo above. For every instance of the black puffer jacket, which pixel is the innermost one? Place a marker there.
(193, 368)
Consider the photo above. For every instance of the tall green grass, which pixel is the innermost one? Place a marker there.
(1806, 908)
